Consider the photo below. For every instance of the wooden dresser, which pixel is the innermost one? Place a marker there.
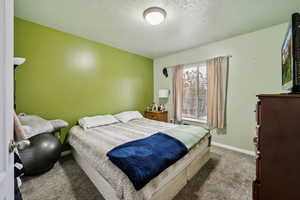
(157, 115)
(277, 148)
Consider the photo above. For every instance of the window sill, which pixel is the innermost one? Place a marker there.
(194, 120)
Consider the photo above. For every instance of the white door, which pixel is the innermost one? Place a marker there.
(6, 100)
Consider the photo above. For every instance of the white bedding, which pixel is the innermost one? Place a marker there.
(94, 143)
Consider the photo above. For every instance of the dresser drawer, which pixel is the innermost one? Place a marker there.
(149, 115)
(160, 116)
(258, 157)
(163, 117)
(152, 116)
(258, 113)
(256, 190)
(256, 147)
(258, 168)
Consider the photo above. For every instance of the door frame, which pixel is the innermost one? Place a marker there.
(6, 98)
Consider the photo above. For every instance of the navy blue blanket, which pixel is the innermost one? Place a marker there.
(142, 160)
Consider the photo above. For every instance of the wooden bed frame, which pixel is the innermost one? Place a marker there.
(175, 184)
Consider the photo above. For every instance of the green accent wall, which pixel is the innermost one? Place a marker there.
(68, 77)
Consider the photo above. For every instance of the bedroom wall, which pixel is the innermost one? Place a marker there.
(255, 67)
(69, 77)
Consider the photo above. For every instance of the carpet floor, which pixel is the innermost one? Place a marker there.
(227, 175)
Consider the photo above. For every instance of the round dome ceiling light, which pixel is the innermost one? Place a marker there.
(155, 15)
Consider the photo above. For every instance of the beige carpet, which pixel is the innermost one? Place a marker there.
(227, 176)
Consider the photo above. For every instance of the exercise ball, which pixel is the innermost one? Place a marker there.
(41, 155)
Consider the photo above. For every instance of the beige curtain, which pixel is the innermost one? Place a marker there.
(216, 91)
(177, 92)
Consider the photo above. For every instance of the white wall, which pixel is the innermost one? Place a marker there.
(255, 67)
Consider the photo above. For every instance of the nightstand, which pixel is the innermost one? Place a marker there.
(157, 115)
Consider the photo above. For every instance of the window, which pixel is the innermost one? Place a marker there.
(194, 105)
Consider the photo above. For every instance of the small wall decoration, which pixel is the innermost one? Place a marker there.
(165, 72)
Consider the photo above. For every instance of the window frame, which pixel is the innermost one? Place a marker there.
(197, 65)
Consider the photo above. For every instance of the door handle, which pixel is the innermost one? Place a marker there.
(20, 145)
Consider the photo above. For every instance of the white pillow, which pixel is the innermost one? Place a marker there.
(37, 124)
(127, 116)
(98, 120)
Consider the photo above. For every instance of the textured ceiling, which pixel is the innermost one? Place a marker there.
(189, 23)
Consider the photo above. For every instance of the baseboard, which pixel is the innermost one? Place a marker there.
(251, 153)
(65, 153)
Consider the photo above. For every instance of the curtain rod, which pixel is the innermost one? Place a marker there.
(229, 56)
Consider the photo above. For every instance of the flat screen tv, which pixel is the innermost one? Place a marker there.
(290, 55)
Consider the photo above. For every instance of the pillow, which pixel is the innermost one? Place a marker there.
(127, 116)
(37, 124)
(58, 124)
(98, 120)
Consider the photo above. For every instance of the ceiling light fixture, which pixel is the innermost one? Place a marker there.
(155, 15)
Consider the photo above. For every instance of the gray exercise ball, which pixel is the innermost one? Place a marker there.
(43, 153)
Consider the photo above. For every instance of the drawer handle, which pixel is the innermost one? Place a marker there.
(257, 153)
(257, 130)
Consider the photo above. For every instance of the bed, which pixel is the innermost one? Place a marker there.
(89, 148)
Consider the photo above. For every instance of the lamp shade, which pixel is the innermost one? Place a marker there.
(163, 93)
